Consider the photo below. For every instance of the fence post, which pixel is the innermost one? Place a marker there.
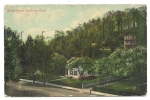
(90, 91)
(82, 85)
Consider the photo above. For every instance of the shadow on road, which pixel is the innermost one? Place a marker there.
(25, 89)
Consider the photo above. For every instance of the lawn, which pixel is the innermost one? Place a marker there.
(93, 79)
(124, 88)
(47, 78)
(71, 82)
(68, 82)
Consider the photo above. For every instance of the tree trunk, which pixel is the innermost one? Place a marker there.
(33, 78)
(43, 78)
(81, 82)
(121, 25)
(133, 24)
(128, 22)
(5, 86)
(118, 26)
(103, 29)
(42, 74)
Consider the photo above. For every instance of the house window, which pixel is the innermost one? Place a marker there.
(75, 73)
(71, 72)
(133, 37)
(89, 72)
(66, 71)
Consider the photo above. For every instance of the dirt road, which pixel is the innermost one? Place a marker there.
(25, 89)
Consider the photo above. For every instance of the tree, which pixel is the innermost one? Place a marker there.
(46, 68)
(83, 64)
(40, 50)
(58, 62)
(12, 64)
(103, 66)
(137, 58)
(31, 57)
(106, 32)
(130, 63)
(138, 61)
(22, 58)
(125, 63)
(118, 63)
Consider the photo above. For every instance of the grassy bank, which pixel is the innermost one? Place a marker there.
(71, 82)
(124, 88)
(48, 78)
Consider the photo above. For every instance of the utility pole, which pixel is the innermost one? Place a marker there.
(42, 64)
(21, 35)
(42, 32)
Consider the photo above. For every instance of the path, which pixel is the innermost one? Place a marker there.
(82, 91)
(25, 89)
(58, 79)
(59, 90)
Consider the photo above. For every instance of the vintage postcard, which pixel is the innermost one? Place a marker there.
(63, 50)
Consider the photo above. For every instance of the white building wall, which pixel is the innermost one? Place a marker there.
(78, 75)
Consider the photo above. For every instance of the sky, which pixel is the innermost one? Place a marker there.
(33, 19)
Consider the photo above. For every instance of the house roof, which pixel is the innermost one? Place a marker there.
(72, 58)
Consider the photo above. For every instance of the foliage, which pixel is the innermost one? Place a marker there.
(11, 57)
(106, 32)
(82, 64)
(137, 61)
(58, 62)
(131, 63)
(103, 66)
(118, 58)
(85, 62)
(30, 57)
(38, 56)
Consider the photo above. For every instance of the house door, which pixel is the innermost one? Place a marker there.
(66, 71)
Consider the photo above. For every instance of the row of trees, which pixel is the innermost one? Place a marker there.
(12, 43)
(29, 56)
(38, 55)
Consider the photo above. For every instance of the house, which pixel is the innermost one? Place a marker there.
(76, 72)
(129, 41)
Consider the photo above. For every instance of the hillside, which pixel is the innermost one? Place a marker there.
(106, 33)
